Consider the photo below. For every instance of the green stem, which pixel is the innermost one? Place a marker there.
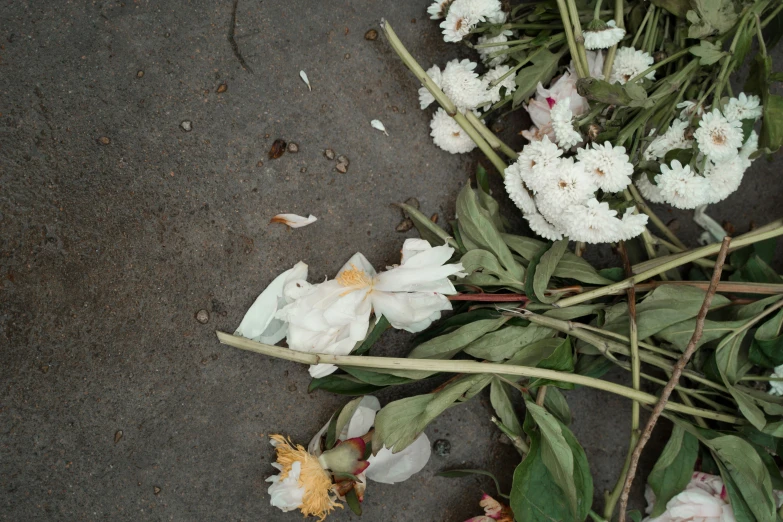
(760, 37)
(517, 67)
(626, 339)
(467, 367)
(610, 54)
(771, 16)
(612, 498)
(760, 378)
(658, 222)
(723, 77)
(653, 67)
(597, 11)
(642, 26)
(569, 32)
(488, 135)
(578, 37)
(520, 445)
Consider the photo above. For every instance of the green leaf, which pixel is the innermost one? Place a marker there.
(376, 379)
(556, 404)
(342, 384)
(459, 473)
(767, 347)
(546, 267)
(573, 312)
(674, 468)
(455, 321)
(428, 230)
(339, 420)
(679, 334)
(380, 326)
(602, 91)
(506, 342)
(707, 52)
(756, 270)
(682, 155)
(500, 397)
(710, 17)
(676, 7)
(531, 272)
(487, 264)
(448, 345)
(353, 502)
(772, 124)
(542, 70)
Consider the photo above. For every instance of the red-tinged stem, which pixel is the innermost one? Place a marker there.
(490, 298)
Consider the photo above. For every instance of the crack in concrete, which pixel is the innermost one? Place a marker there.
(232, 39)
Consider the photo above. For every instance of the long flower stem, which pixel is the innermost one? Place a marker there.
(441, 98)
(467, 367)
(488, 135)
(569, 32)
(579, 38)
(618, 19)
(519, 443)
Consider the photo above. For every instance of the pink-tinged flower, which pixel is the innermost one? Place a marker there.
(704, 499)
(494, 511)
(561, 91)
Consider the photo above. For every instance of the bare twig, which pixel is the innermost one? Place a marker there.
(675, 378)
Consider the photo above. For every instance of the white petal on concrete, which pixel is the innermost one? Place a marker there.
(293, 220)
(389, 468)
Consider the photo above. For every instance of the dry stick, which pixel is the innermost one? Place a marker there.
(667, 391)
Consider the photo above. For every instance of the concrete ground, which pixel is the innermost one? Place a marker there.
(117, 226)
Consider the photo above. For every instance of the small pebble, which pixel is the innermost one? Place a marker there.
(303, 170)
(441, 447)
(140, 74)
(347, 56)
(292, 387)
(260, 164)
(104, 140)
(413, 202)
(342, 168)
(202, 316)
(156, 490)
(293, 147)
(117, 436)
(434, 218)
(223, 87)
(167, 35)
(278, 148)
(404, 226)
(45, 368)
(329, 153)
(372, 34)
(186, 125)
(344, 160)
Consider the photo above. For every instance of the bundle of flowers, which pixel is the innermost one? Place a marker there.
(530, 319)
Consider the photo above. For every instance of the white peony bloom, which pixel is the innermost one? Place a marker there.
(681, 187)
(286, 493)
(776, 387)
(603, 36)
(673, 138)
(462, 84)
(718, 137)
(463, 15)
(688, 108)
(650, 192)
(425, 96)
(543, 228)
(565, 134)
(508, 83)
(518, 193)
(743, 107)
(704, 499)
(448, 135)
(724, 178)
(484, 52)
(608, 165)
(565, 185)
(438, 10)
(629, 63)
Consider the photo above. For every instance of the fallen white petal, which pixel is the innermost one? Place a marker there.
(303, 75)
(709, 224)
(293, 220)
(376, 124)
(388, 467)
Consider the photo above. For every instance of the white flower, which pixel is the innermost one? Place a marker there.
(632, 223)
(543, 228)
(518, 193)
(463, 15)
(565, 133)
(704, 499)
(718, 137)
(776, 387)
(605, 37)
(563, 90)
(724, 177)
(565, 185)
(673, 138)
(592, 222)
(437, 10)
(681, 187)
(462, 84)
(286, 494)
(293, 220)
(608, 165)
(650, 192)
(535, 161)
(749, 148)
(744, 107)
(629, 63)
(448, 135)
(425, 96)
(508, 83)
(688, 108)
(484, 52)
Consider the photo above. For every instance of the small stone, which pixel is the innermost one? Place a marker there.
(223, 87)
(45, 368)
(156, 490)
(140, 74)
(186, 125)
(395, 108)
(293, 147)
(441, 447)
(260, 164)
(344, 160)
(202, 316)
(292, 387)
(413, 202)
(278, 148)
(342, 168)
(104, 140)
(434, 218)
(117, 436)
(404, 226)
(303, 170)
(329, 153)
(371, 35)
(347, 56)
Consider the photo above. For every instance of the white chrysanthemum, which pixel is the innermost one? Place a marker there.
(438, 10)
(632, 223)
(535, 162)
(463, 15)
(564, 185)
(718, 137)
(749, 147)
(484, 52)
(688, 108)
(681, 187)
(448, 135)
(630, 62)
(508, 83)
(650, 192)
(724, 178)
(543, 228)
(744, 107)
(592, 222)
(609, 166)
(425, 96)
(518, 193)
(673, 138)
(603, 35)
(462, 84)
(565, 133)
(776, 387)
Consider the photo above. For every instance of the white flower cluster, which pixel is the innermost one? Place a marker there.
(602, 35)
(720, 157)
(462, 16)
(469, 92)
(558, 194)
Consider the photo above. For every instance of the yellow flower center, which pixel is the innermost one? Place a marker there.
(355, 277)
(317, 499)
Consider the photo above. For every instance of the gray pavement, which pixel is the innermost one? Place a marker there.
(117, 227)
